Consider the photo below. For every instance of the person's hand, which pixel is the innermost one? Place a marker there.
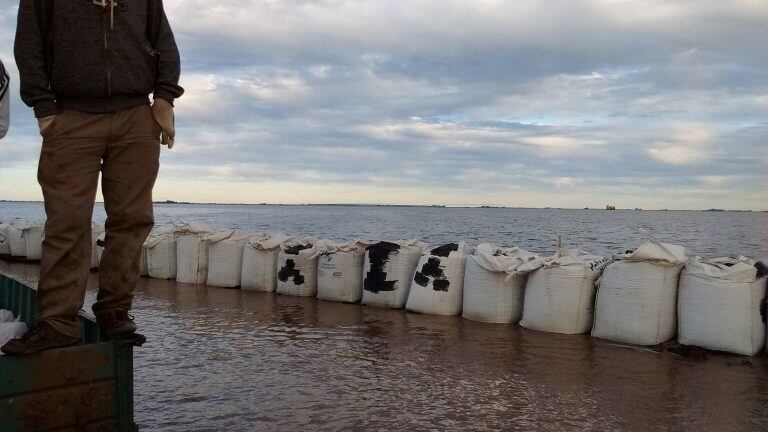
(162, 111)
(45, 123)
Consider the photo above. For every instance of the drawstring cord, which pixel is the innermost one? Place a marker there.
(111, 4)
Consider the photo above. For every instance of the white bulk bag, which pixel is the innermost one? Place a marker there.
(6, 316)
(191, 252)
(493, 287)
(97, 233)
(637, 295)
(11, 330)
(160, 255)
(340, 271)
(437, 285)
(15, 233)
(259, 268)
(5, 241)
(719, 305)
(191, 259)
(560, 291)
(388, 272)
(225, 258)
(297, 268)
(33, 239)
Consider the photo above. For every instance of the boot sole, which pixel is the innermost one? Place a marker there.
(126, 329)
(37, 350)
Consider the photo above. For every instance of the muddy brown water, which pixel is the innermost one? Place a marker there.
(221, 359)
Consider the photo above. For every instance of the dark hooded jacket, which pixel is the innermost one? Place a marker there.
(75, 54)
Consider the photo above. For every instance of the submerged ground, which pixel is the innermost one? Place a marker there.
(221, 359)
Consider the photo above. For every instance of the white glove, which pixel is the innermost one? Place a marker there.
(162, 111)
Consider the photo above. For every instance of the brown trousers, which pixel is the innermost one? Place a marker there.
(125, 147)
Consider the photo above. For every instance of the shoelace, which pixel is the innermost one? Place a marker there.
(123, 315)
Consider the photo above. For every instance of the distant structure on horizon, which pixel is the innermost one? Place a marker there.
(610, 207)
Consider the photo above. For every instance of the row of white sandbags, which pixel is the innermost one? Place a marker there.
(398, 274)
(718, 305)
(302, 266)
(184, 253)
(449, 280)
(385, 274)
(195, 253)
(23, 239)
(637, 300)
(650, 295)
(299, 266)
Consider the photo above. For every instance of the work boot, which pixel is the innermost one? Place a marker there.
(116, 322)
(40, 338)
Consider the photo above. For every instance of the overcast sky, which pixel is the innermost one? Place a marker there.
(651, 104)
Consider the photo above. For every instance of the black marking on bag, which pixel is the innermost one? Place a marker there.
(4, 82)
(762, 269)
(289, 271)
(600, 264)
(445, 250)
(378, 257)
(295, 249)
(432, 269)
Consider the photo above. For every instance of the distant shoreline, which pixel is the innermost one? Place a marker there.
(169, 202)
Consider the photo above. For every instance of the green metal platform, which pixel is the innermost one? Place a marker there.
(83, 388)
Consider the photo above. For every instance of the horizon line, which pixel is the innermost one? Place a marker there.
(491, 206)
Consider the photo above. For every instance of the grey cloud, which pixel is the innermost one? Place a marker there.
(556, 98)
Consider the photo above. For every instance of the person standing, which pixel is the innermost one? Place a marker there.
(87, 68)
(5, 104)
